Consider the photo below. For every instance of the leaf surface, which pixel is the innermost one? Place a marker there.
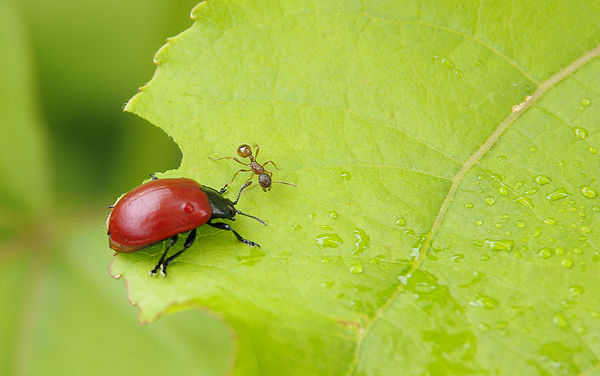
(445, 220)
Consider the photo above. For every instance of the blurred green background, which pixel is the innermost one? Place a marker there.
(67, 151)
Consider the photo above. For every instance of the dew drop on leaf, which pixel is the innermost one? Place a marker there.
(490, 200)
(361, 241)
(525, 201)
(469, 205)
(589, 192)
(356, 269)
(329, 240)
(545, 253)
(559, 193)
(581, 133)
(542, 179)
(560, 321)
(401, 222)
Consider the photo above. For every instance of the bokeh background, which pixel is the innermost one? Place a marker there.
(67, 152)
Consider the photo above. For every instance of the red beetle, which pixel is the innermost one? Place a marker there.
(164, 208)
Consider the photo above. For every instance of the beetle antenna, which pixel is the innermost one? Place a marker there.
(246, 185)
(251, 216)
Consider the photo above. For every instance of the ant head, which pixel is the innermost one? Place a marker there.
(244, 151)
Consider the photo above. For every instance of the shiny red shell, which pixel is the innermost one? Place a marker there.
(155, 211)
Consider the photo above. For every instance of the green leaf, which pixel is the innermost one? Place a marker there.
(445, 220)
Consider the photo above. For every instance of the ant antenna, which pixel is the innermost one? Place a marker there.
(246, 185)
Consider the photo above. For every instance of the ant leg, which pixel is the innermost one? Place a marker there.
(188, 243)
(257, 149)
(282, 182)
(224, 189)
(273, 163)
(225, 226)
(153, 177)
(172, 241)
(234, 158)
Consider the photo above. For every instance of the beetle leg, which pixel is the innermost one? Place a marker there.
(188, 243)
(172, 241)
(225, 226)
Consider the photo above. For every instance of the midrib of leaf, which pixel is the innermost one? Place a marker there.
(518, 109)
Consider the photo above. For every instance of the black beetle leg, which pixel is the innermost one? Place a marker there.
(172, 241)
(188, 243)
(225, 226)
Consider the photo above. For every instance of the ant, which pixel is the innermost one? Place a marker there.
(264, 176)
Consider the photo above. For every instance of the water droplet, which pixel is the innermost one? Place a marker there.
(545, 253)
(401, 222)
(478, 222)
(356, 269)
(531, 191)
(519, 184)
(561, 164)
(520, 224)
(329, 240)
(325, 260)
(583, 330)
(503, 191)
(477, 243)
(325, 227)
(327, 285)
(489, 200)
(312, 215)
(542, 179)
(409, 232)
(478, 64)
(525, 201)
(559, 251)
(506, 245)
(559, 193)
(458, 257)
(560, 321)
(346, 175)
(297, 227)
(581, 133)
(596, 208)
(533, 149)
(537, 232)
(485, 302)
(469, 205)
(502, 158)
(586, 229)
(484, 258)
(333, 215)
(527, 88)
(255, 256)
(577, 251)
(586, 101)
(374, 261)
(499, 225)
(459, 73)
(361, 241)
(593, 150)
(589, 192)
(550, 221)
(434, 59)
(448, 63)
